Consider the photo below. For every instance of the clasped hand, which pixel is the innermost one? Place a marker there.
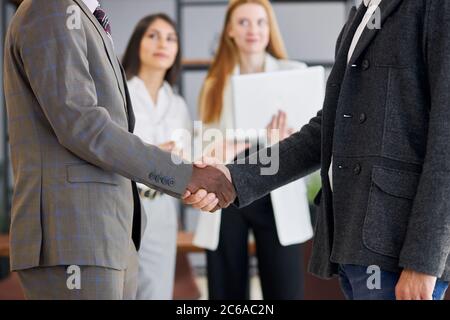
(210, 187)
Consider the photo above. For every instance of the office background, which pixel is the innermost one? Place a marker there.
(309, 28)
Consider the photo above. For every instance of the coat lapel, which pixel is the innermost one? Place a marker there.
(109, 48)
(340, 65)
(333, 90)
(387, 7)
(130, 113)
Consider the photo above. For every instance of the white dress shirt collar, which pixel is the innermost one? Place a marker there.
(91, 4)
(270, 64)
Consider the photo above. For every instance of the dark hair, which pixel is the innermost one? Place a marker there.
(131, 60)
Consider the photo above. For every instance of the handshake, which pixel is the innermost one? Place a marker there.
(210, 187)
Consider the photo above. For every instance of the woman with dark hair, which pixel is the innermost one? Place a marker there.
(152, 63)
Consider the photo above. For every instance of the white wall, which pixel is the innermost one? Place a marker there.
(309, 29)
(124, 15)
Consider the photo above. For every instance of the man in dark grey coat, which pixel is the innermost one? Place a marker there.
(383, 138)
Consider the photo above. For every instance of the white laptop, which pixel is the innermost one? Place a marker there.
(257, 97)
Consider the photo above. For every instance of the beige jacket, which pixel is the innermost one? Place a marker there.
(290, 203)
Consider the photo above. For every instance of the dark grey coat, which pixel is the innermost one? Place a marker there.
(386, 121)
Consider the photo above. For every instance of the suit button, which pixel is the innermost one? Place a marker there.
(365, 65)
(362, 118)
(357, 169)
(171, 182)
(151, 175)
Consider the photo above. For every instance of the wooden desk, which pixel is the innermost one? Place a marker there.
(4, 246)
(185, 245)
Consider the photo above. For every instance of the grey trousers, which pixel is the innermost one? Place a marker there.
(93, 283)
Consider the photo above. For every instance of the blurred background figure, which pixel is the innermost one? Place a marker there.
(152, 63)
(250, 43)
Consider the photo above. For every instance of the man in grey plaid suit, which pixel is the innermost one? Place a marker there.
(75, 212)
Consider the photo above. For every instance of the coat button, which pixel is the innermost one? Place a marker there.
(365, 65)
(362, 118)
(357, 169)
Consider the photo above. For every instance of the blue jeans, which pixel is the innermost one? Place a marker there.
(356, 280)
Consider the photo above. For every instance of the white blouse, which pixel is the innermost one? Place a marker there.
(166, 121)
(160, 123)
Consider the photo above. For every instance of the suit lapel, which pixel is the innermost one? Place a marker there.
(130, 113)
(340, 65)
(387, 7)
(109, 48)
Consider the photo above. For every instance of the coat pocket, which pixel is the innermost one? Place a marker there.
(389, 206)
(86, 173)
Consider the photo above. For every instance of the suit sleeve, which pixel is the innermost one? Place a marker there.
(55, 63)
(427, 243)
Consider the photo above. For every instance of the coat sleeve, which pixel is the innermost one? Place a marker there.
(278, 165)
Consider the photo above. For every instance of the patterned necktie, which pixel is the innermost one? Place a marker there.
(103, 19)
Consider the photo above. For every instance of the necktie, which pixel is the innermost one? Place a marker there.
(103, 19)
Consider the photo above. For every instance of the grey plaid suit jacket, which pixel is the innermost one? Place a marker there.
(72, 151)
